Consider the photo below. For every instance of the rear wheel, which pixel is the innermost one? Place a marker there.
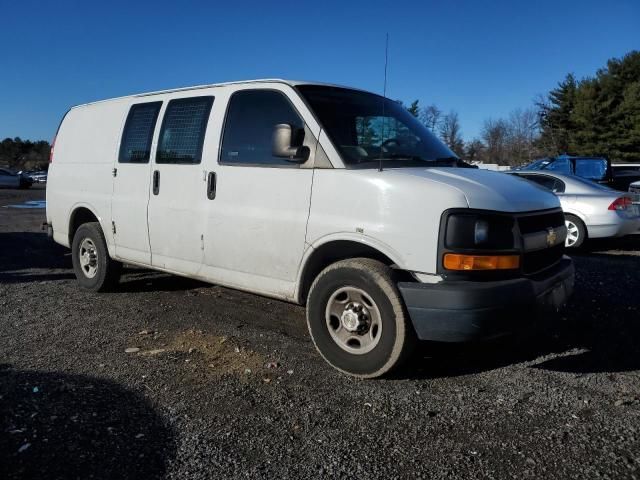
(576, 231)
(94, 269)
(357, 319)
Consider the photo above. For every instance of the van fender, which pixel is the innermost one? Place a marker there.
(363, 239)
(108, 235)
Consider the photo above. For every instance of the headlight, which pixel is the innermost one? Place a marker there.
(478, 231)
(481, 234)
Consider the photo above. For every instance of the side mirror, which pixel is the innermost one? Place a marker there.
(282, 145)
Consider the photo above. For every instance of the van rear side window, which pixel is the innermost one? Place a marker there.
(135, 146)
(183, 129)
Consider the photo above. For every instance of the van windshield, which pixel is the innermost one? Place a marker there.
(368, 129)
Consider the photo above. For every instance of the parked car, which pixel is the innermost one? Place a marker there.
(591, 210)
(326, 196)
(38, 177)
(626, 168)
(634, 190)
(12, 179)
(597, 169)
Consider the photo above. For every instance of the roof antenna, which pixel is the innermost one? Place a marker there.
(384, 99)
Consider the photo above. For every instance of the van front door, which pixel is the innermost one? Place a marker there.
(257, 220)
(178, 187)
(131, 173)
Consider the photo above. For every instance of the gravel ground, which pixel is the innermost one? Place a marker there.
(224, 384)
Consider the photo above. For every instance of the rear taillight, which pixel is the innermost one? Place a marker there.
(620, 203)
(53, 144)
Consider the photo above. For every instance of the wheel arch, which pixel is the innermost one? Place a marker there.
(579, 216)
(323, 254)
(80, 214)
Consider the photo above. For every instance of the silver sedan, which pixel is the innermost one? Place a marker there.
(634, 189)
(591, 210)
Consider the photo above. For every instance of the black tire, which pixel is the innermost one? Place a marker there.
(107, 271)
(578, 228)
(397, 338)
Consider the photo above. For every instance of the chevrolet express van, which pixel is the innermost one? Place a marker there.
(327, 196)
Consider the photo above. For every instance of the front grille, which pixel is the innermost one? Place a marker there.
(538, 260)
(533, 262)
(537, 223)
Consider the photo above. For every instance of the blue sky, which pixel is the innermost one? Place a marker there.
(480, 58)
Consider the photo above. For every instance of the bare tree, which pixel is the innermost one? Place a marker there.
(451, 133)
(523, 132)
(512, 141)
(431, 116)
(495, 134)
(475, 150)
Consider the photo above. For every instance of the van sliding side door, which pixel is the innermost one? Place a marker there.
(177, 201)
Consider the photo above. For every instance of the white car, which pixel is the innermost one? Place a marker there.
(322, 195)
(591, 210)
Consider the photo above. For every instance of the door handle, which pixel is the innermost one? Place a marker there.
(211, 185)
(156, 182)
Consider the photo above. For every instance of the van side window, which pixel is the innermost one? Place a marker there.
(135, 146)
(248, 131)
(183, 129)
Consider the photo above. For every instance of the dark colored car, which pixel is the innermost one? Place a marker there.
(597, 169)
(11, 179)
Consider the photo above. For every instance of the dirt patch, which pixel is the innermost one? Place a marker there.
(220, 355)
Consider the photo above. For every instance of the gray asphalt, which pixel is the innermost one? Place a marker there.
(228, 385)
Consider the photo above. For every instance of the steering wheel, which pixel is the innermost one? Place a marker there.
(389, 141)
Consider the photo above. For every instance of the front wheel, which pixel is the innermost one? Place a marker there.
(94, 268)
(357, 319)
(576, 231)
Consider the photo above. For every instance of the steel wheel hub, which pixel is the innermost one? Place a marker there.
(355, 317)
(353, 320)
(88, 257)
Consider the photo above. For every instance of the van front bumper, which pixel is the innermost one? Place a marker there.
(464, 311)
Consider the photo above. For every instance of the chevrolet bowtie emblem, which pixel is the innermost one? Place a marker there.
(552, 236)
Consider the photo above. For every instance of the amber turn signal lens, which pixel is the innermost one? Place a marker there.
(454, 261)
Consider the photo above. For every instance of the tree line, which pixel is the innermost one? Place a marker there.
(597, 116)
(18, 154)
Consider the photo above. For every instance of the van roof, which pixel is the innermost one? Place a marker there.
(292, 83)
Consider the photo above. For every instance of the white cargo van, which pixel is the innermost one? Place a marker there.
(322, 195)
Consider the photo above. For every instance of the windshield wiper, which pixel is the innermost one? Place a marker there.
(452, 162)
(402, 156)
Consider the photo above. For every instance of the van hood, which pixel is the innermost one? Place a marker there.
(487, 190)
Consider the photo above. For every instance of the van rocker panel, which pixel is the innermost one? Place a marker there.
(465, 311)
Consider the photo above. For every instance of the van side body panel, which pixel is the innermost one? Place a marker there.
(81, 172)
